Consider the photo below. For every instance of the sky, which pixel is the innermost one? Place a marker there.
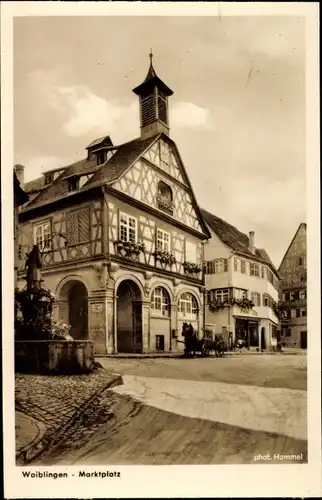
(237, 114)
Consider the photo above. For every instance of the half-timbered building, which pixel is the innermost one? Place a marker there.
(122, 237)
(293, 300)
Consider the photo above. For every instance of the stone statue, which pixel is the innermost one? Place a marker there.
(33, 265)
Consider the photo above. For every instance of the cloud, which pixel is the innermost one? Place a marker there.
(189, 115)
(80, 111)
(88, 113)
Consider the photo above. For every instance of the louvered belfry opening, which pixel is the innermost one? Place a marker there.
(162, 106)
(148, 108)
(153, 94)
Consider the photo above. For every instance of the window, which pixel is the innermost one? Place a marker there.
(49, 178)
(165, 198)
(237, 265)
(265, 300)
(73, 184)
(247, 267)
(264, 272)
(288, 332)
(100, 158)
(191, 252)
(288, 314)
(303, 312)
(188, 307)
(240, 294)
(300, 261)
(256, 299)
(163, 240)
(210, 267)
(221, 265)
(270, 276)
(254, 269)
(128, 228)
(243, 266)
(222, 295)
(286, 296)
(78, 227)
(303, 295)
(160, 302)
(42, 236)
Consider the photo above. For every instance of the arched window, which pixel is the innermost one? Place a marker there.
(188, 307)
(165, 198)
(160, 301)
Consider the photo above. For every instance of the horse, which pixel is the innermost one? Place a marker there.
(190, 339)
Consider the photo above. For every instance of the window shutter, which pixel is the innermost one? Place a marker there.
(225, 265)
(83, 226)
(259, 299)
(213, 267)
(72, 228)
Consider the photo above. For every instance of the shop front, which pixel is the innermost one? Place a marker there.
(247, 329)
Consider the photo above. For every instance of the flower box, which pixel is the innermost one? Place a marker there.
(244, 304)
(129, 248)
(191, 268)
(165, 257)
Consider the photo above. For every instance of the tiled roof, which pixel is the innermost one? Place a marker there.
(35, 184)
(99, 141)
(122, 159)
(235, 239)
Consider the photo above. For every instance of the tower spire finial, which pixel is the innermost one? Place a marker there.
(151, 56)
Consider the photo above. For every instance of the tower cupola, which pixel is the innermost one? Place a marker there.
(153, 95)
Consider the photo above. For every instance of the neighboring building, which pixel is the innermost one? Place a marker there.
(121, 235)
(20, 198)
(238, 274)
(293, 291)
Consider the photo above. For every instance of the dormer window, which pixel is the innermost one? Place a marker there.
(73, 184)
(165, 198)
(49, 178)
(100, 158)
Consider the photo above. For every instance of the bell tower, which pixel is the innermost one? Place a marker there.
(153, 95)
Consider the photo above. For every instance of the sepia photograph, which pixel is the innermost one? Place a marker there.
(160, 241)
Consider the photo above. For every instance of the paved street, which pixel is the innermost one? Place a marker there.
(46, 405)
(178, 411)
(264, 371)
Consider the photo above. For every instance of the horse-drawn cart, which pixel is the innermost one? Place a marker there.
(193, 345)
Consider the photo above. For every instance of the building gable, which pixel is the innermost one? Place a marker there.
(160, 165)
(295, 251)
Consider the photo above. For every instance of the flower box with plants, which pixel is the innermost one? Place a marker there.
(130, 248)
(165, 257)
(191, 268)
(244, 304)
